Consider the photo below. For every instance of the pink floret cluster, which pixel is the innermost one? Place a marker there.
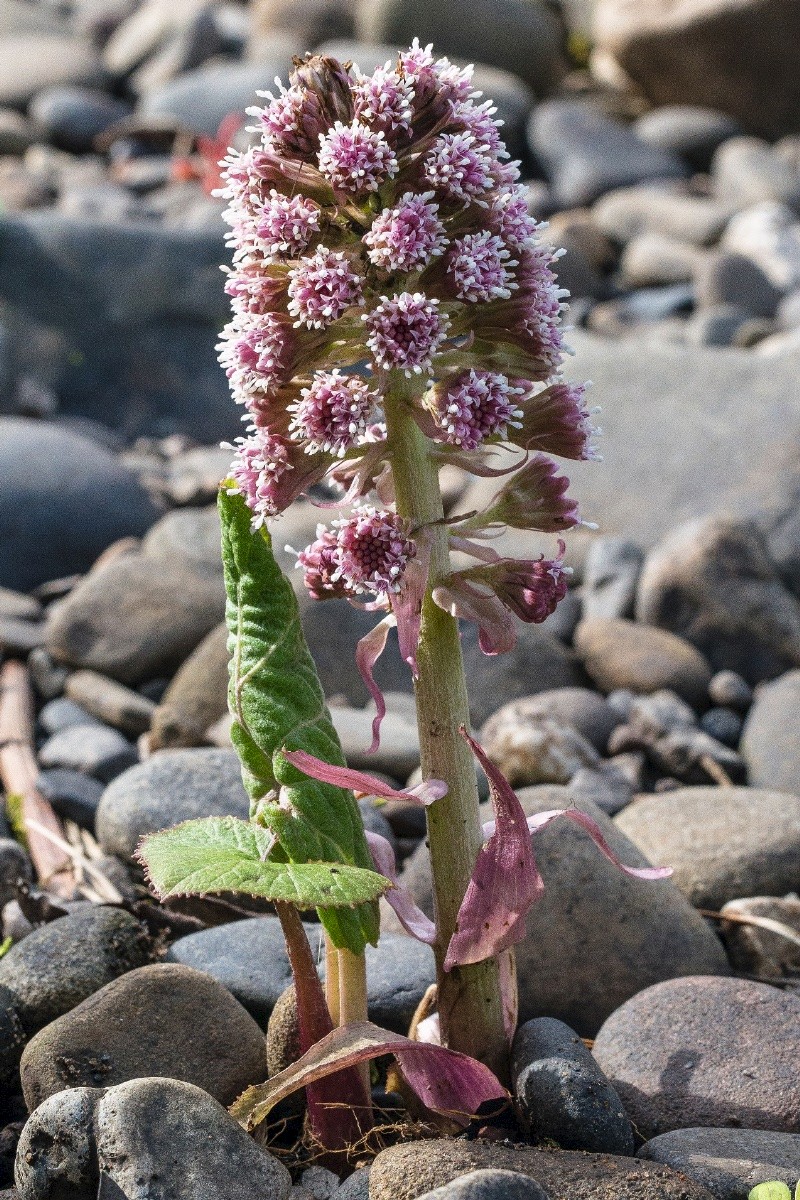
(382, 246)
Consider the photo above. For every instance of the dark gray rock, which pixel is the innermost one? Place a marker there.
(701, 1051)
(139, 1125)
(659, 47)
(60, 964)
(248, 957)
(141, 357)
(748, 171)
(62, 713)
(642, 931)
(723, 724)
(712, 582)
(722, 842)
(72, 794)
(72, 117)
(172, 786)
(770, 740)
(726, 278)
(135, 617)
(525, 39)
(32, 62)
(356, 1186)
(623, 654)
(610, 575)
(717, 326)
(563, 1095)
(408, 1171)
(586, 154)
(688, 130)
(12, 1038)
(94, 749)
(56, 509)
(15, 867)
(538, 663)
(125, 1139)
(201, 99)
(164, 1020)
(111, 702)
(666, 209)
(55, 1153)
(376, 822)
(491, 1184)
(729, 1162)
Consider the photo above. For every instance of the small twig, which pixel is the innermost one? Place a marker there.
(18, 771)
(776, 927)
(712, 768)
(80, 862)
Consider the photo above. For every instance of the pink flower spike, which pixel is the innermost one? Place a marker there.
(412, 918)
(359, 781)
(505, 882)
(368, 651)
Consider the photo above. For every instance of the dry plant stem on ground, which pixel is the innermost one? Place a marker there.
(469, 1003)
(18, 772)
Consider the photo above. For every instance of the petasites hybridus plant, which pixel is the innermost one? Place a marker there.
(395, 310)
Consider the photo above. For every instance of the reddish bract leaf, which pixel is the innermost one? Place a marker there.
(368, 651)
(359, 781)
(506, 881)
(445, 1081)
(410, 916)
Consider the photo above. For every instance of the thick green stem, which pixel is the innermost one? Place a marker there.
(469, 1001)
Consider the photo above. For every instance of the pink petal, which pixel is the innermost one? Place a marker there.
(412, 918)
(446, 1081)
(586, 822)
(368, 651)
(505, 881)
(474, 549)
(407, 602)
(359, 781)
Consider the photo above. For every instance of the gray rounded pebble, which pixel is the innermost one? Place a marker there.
(489, 1185)
(162, 1020)
(94, 749)
(60, 964)
(563, 1094)
(55, 1155)
(170, 787)
(72, 794)
(63, 713)
(729, 1162)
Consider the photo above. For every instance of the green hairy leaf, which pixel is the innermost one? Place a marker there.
(224, 854)
(277, 702)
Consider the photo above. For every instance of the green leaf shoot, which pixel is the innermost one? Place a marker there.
(225, 854)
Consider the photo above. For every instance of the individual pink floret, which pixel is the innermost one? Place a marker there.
(286, 227)
(460, 167)
(333, 413)
(385, 101)
(373, 551)
(322, 287)
(475, 406)
(480, 267)
(405, 332)
(408, 235)
(355, 159)
(257, 468)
